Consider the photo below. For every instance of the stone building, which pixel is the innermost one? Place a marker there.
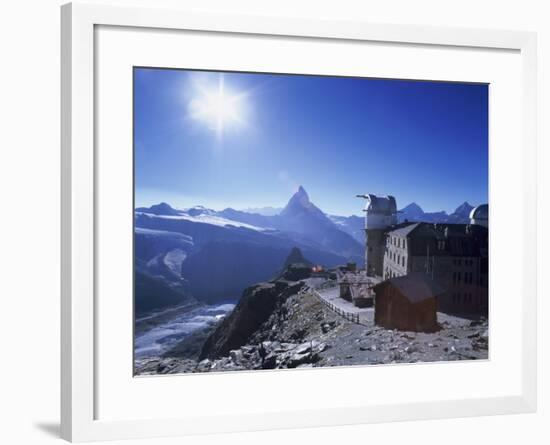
(355, 287)
(454, 255)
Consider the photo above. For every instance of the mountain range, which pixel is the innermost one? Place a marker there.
(414, 213)
(213, 255)
(208, 255)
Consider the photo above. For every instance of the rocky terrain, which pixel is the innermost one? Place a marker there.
(281, 324)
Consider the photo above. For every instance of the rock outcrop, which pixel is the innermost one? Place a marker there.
(255, 307)
(296, 257)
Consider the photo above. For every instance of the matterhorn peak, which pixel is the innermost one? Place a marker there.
(302, 195)
(298, 202)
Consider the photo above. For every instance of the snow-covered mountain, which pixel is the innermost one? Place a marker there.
(414, 213)
(216, 254)
(302, 216)
(159, 209)
(461, 215)
(197, 214)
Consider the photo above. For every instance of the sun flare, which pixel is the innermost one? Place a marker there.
(218, 107)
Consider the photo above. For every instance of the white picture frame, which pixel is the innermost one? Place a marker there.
(79, 416)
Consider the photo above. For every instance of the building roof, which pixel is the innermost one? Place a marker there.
(405, 230)
(354, 277)
(460, 239)
(416, 286)
(480, 212)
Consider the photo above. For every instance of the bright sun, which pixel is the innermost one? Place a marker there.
(217, 107)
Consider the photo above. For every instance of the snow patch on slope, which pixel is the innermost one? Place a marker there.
(206, 219)
(174, 259)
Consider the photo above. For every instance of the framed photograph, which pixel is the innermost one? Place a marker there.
(258, 208)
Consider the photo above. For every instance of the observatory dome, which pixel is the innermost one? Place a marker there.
(480, 212)
(384, 205)
(480, 215)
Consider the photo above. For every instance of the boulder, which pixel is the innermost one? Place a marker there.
(270, 362)
(299, 359)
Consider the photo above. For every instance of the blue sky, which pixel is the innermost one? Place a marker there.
(249, 140)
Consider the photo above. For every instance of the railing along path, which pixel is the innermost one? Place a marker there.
(353, 317)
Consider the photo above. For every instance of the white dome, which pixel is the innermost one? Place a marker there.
(481, 212)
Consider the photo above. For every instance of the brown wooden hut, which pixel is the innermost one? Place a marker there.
(407, 303)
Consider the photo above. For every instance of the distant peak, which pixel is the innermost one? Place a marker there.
(162, 208)
(412, 210)
(464, 207)
(298, 203)
(413, 205)
(302, 191)
(300, 197)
